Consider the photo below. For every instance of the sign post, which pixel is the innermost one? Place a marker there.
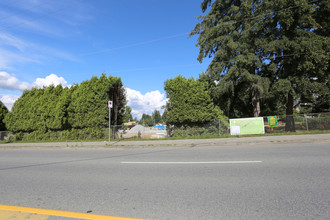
(110, 106)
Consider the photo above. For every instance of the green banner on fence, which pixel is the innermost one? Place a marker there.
(247, 126)
(272, 121)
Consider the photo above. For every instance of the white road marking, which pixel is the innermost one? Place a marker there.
(191, 162)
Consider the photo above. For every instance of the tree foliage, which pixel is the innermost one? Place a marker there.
(228, 35)
(147, 120)
(38, 109)
(153, 119)
(116, 92)
(189, 103)
(3, 112)
(157, 117)
(256, 46)
(127, 116)
(56, 108)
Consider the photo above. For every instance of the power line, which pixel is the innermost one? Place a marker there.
(42, 16)
(156, 68)
(136, 44)
(197, 64)
(173, 36)
(27, 9)
(10, 4)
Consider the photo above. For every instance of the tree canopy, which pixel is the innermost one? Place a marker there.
(57, 108)
(157, 117)
(3, 112)
(257, 45)
(189, 103)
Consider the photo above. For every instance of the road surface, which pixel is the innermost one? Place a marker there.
(272, 181)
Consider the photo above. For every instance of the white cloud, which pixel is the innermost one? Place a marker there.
(9, 100)
(52, 79)
(146, 103)
(10, 82)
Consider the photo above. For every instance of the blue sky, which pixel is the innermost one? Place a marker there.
(145, 42)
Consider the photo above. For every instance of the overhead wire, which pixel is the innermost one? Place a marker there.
(42, 16)
(26, 10)
(174, 36)
(154, 68)
(131, 45)
(144, 42)
(151, 41)
(10, 4)
(136, 44)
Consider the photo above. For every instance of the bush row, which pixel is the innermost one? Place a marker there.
(66, 135)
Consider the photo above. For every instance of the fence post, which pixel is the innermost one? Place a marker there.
(306, 123)
(219, 127)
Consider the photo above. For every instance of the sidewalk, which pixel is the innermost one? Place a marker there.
(260, 140)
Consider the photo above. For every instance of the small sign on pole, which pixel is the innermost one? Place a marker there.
(110, 104)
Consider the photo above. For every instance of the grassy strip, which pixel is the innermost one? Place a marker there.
(210, 136)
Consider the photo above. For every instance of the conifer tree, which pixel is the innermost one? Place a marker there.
(229, 33)
(256, 45)
(3, 112)
(189, 103)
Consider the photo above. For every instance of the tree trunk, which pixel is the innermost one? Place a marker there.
(256, 106)
(116, 110)
(289, 126)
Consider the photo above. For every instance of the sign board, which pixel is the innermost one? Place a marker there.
(110, 104)
(243, 126)
(272, 121)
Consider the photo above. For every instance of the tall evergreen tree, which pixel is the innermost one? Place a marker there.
(3, 113)
(116, 92)
(88, 106)
(39, 109)
(127, 116)
(189, 103)
(156, 116)
(254, 43)
(296, 51)
(147, 120)
(57, 108)
(229, 33)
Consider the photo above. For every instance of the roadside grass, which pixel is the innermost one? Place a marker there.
(207, 136)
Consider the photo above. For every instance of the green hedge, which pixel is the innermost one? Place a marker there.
(66, 135)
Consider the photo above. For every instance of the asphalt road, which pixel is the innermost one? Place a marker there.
(273, 181)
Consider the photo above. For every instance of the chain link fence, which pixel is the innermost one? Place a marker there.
(306, 122)
(217, 128)
(5, 135)
(302, 123)
(139, 131)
